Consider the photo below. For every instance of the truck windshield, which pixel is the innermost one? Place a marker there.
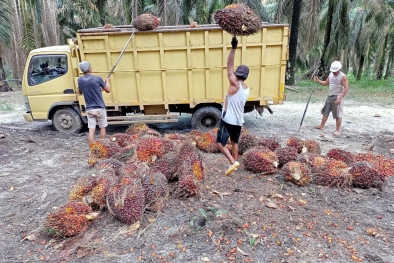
(44, 68)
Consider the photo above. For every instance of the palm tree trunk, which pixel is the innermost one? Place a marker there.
(390, 59)
(200, 15)
(295, 21)
(360, 68)
(379, 75)
(2, 69)
(323, 71)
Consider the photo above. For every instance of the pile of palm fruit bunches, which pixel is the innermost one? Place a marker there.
(133, 171)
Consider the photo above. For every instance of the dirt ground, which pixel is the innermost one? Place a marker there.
(38, 166)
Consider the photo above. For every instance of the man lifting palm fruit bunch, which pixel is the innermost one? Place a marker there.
(233, 109)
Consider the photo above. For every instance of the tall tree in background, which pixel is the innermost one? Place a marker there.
(5, 32)
(295, 21)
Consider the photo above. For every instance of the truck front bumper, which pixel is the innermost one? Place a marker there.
(28, 117)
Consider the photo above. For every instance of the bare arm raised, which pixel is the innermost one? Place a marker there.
(233, 84)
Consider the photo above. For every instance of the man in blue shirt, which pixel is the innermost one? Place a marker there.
(91, 87)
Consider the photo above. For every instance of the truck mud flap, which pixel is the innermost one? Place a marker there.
(261, 108)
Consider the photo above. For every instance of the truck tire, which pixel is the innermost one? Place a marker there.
(67, 120)
(206, 118)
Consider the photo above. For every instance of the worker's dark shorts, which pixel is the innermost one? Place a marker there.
(227, 130)
(330, 106)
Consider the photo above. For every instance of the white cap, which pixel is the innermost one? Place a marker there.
(84, 66)
(335, 66)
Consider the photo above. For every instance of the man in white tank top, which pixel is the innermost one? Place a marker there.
(233, 109)
(338, 87)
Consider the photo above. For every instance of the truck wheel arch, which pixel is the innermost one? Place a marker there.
(58, 105)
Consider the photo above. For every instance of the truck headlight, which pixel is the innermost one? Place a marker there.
(27, 105)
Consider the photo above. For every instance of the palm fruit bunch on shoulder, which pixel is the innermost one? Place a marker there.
(109, 164)
(271, 144)
(186, 187)
(286, 154)
(69, 219)
(384, 165)
(136, 128)
(127, 202)
(102, 149)
(123, 139)
(156, 190)
(311, 146)
(246, 141)
(175, 137)
(297, 173)
(340, 155)
(207, 142)
(149, 148)
(296, 143)
(166, 165)
(333, 173)
(260, 160)
(365, 175)
(82, 188)
(313, 160)
(189, 161)
(238, 20)
(105, 181)
(146, 22)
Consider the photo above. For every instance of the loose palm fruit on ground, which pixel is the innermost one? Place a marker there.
(246, 141)
(146, 22)
(311, 146)
(297, 173)
(340, 155)
(365, 175)
(260, 160)
(271, 144)
(296, 143)
(286, 155)
(333, 173)
(238, 20)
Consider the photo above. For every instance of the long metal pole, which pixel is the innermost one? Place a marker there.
(310, 95)
(117, 61)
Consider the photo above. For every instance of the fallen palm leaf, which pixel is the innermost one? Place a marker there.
(134, 227)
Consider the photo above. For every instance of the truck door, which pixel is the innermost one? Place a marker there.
(48, 82)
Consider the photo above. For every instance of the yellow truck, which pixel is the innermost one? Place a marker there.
(161, 74)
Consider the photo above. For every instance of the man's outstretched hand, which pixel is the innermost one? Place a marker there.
(234, 42)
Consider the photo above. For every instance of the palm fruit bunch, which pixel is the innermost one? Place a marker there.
(166, 165)
(147, 133)
(286, 154)
(175, 136)
(68, 220)
(384, 165)
(246, 141)
(187, 187)
(109, 164)
(333, 173)
(102, 149)
(126, 153)
(192, 135)
(297, 173)
(365, 175)
(260, 160)
(271, 144)
(169, 145)
(146, 22)
(136, 128)
(134, 169)
(149, 148)
(340, 155)
(296, 143)
(156, 189)
(105, 181)
(207, 142)
(238, 20)
(123, 139)
(189, 161)
(126, 202)
(82, 188)
(313, 160)
(311, 146)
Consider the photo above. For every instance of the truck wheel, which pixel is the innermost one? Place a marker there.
(67, 120)
(206, 118)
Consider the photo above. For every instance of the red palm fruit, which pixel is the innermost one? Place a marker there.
(146, 22)
(166, 165)
(123, 139)
(189, 161)
(187, 152)
(297, 173)
(198, 170)
(193, 134)
(126, 202)
(81, 188)
(134, 169)
(100, 191)
(109, 164)
(286, 155)
(271, 144)
(175, 137)
(149, 148)
(136, 128)
(383, 165)
(260, 160)
(333, 173)
(156, 187)
(365, 175)
(311, 146)
(169, 145)
(187, 187)
(313, 160)
(207, 142)
(102, 149)
(69, 219)
(246, 141)
(296, 143)
(340, 155)
(149, 133)
(127, 153)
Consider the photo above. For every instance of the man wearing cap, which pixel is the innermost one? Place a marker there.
(233, 109)
(338, 87)
(91, 87)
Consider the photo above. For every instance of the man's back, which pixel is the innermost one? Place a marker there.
(91, 88)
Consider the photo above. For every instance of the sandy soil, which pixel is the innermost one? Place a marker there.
(310, 224)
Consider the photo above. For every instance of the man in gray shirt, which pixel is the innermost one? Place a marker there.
(338, 87)
(91, 87)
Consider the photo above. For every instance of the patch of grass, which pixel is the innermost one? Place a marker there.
(4, 106)
(365, 90)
